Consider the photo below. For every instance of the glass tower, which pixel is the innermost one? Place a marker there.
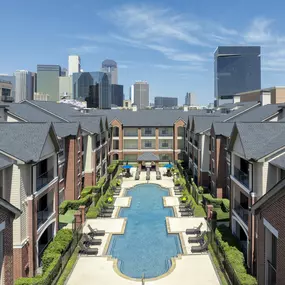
(237, 69)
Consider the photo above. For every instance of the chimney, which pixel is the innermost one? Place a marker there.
(265, 98)
(185, 108)
(135, 108)
(236, 99)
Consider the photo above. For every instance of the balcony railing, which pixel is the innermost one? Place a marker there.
(241, 176)
(195, 160)
(98, 143)
(42, 216)
(191, 140)
(241, 211)
(150, 146)
(131, 134)
(165, 134)
(131, 147)
(147, 134)
(271, 272)
(45, 179)
(165, 146)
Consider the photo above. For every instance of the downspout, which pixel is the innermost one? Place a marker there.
(33, 222)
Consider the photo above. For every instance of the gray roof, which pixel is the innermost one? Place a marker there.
(148, 156)
(204, 123)
(5, 162)
(261, 139)
(66, 129)
(258, 114)
(223, 128)
(24, 141)
(279, 161)
(29, 113)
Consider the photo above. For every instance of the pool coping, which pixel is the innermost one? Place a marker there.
(173, 259)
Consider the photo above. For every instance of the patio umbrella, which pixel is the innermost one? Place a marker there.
(127, 166)
(168, 165)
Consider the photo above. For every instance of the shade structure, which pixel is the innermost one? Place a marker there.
(168, 165)
(148, 156)
(127, 166)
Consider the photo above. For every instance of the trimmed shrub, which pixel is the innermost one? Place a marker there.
(74, 204)
(112, 166)
(99, 184)
(63, 207)
(226, 205)
(86, 191)
(212, 201)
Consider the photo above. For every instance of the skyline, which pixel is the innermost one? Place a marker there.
(159, 43)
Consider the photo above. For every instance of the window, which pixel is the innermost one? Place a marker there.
(78, 144)
(148, 131)
(164, 144)
(147, 144)
(213, 166)
(61, 172)
(282, 173)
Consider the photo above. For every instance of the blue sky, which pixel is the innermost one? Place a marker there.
(168, 43)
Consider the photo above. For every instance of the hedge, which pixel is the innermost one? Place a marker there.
(51, 260)
(233, 255)
(112, 166)
(74, 204)
(86, 191)
(99, 184)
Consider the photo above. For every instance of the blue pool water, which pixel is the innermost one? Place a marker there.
(145, 248)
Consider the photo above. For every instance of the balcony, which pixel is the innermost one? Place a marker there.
(166, 133)
(165, 146)
(241, 176)
(133, 133)
(97, 143)
(196, 161)
(43, 215)
(196, 143)
(241, 211)
(271, 273)
(191, 140)
(44, 179)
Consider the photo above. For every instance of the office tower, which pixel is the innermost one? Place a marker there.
(12, 79)
(6, 91)
(140, 94)
(81, 88)
(65, 87)
(165, 102)
(24, 88)
(48, 80)
(131, 96)
(34, 83)
(190, 99)
(109, 66)
(237, 69)
(74, 64)
(117, 95)
(64, 72)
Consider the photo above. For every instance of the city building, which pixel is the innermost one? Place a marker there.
(34, 84)
(109, 66)
(12, 79)
(48, 80)
(127, 104)
(74, 64)
(274, 95)
(131, 94)
(92, 87)
(24, 86)
(237, 69)
(117, 95)
(41, 97)
(190, 99)
(140, 94)
(65, 87)
(165, 102)
(6, 91)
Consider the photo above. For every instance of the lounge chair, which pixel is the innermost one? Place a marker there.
(184, 210)
(199, 248)
(95, 232)
(194, 231)
(106, 211)
(137, 177)
(109, 207)
(87, 250)
(90, 241)
(178, 188)
(186, 206)
(104, 215)
(197, 239)
(187, 214)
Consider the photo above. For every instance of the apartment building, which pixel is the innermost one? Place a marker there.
(254, 148)
(31, 185)
(270, 233)
(8, 213)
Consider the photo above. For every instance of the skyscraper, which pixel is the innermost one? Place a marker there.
(141, 94)
(86, 84)
(237, 69)
(190, 99)
(109, 66)
(165, 102)
(48, 80)
(117, 95)
(12, 79)
(74, 64)
(24, 86)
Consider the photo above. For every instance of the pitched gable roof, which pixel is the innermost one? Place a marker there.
(259, 139)
(223, 128)
(25, 141)
(66, 129)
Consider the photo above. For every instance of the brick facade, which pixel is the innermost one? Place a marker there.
(273, 212)
(7, 267)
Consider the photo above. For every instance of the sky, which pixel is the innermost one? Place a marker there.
(168, 43)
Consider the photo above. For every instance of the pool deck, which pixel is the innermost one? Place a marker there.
(187, 269)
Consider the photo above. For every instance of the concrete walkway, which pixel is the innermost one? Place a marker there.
(188, 269)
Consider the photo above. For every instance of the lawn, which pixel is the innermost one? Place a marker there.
(67, 217)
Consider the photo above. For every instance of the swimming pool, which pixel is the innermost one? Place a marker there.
(146, 247)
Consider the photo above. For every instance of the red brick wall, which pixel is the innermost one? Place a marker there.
(20, 262)
(7, 268)
(274, 213)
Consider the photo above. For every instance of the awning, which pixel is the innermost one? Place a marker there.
(148, 156)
